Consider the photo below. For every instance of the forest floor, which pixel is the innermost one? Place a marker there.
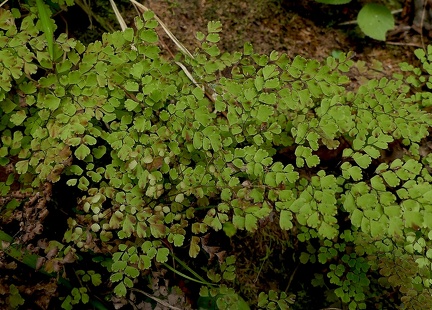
(304, 28)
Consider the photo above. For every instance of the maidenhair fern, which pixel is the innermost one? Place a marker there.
(160, 159)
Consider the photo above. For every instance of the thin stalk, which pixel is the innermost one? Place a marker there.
(186, 276)
(183, 264)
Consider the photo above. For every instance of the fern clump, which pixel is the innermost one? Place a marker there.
(164, 154)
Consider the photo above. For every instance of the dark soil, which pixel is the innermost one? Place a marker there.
(303, 28)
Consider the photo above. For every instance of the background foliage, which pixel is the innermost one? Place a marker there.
(170, 172)
(374, 19)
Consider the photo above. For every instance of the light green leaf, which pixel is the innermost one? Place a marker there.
(392, 211)
(119, 265)
(285, 220)
(99, 151)
(247, 49)
(367, 201)
(377, 228)
(18, 117)
(200, 36)
(312, 161)
(162, 255)
(198, 93)
(312, 138)
(22, 166)
(377, 183)
(413, 167)
(148, 36)
(250, 222)
(356, 217)
(130, 104)
(327, 231)
(214, 26)
(141, 123)
(413, 219)
(358, 144)
(120, 290)
(8, 105)
(115, 277)
(229, 229)
(372, 151)
(89, 140)
(131, 271)
(362, 160)
(178, 240)
(131, 86)
(226, 194)
(269, 71)
(264, 112)
(82, 151)
(213, 37)
(71, 182)
(354, 172)
(148, 15)
(375, 20)
(259, 83)
(215, 139)
(391, 178)
(267, 98)
(330, 129)
(396, 164)
(203, 116)
(272, 83)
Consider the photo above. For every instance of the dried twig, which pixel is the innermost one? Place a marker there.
(291, 278)
(422, 24)
(404, 44)
(118, 16)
